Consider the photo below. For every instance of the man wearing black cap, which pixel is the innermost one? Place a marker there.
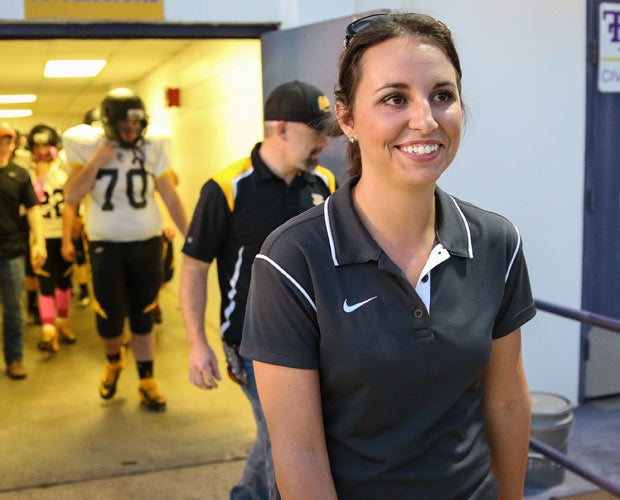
(16, 189)
(236, 211)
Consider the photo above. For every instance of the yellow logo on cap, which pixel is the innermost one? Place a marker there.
(323, 103)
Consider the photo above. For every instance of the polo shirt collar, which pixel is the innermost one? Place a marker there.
(261, 170)
(453, 230)
(351, 243)
(264, 173)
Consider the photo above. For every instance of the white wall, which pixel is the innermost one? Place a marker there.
(218, 121)
(11, 9)
(237, 11)
(220, 114)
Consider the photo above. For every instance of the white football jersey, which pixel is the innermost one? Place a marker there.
(122, 204)
(49, 190)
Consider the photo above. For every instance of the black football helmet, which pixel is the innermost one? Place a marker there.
(44, 134)
(91, 116)
(122, 104)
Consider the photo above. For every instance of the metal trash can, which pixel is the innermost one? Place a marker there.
(552, 420)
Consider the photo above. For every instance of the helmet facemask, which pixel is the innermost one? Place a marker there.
(118, 105)
(45, 135)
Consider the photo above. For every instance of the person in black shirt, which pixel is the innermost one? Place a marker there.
(15, 190)
(237, 209)
(385, 324)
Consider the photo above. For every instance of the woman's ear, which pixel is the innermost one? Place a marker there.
(345, 120)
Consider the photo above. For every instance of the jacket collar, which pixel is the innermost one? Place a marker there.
(264, 173)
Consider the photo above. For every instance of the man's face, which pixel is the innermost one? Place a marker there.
(44, 152)
(7, 146)
(129, 130)
(305, 145)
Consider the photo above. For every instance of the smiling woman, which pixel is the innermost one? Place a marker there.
(407, 127)
(394, 279)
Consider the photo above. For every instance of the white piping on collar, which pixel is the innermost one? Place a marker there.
(328, 228)
(470, 250)
(238, 179)
(514, 255)
(290, 278)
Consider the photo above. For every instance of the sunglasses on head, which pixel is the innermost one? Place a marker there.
(362, 23)
(359, 25)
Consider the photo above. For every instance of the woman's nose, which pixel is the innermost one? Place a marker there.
(422, 118)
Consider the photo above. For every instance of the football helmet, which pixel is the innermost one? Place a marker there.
(92, 116)
(44, 134)
(122, 104)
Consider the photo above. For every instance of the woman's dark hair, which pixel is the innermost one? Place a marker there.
(379, 29)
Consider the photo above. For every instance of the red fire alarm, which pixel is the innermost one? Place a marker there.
(172, 97)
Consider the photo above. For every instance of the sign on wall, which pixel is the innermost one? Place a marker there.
(110, 10)
(609, 48)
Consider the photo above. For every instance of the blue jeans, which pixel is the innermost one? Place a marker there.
(11, 286)
(258, 478)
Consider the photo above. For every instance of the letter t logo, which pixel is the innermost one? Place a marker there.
(614, 26)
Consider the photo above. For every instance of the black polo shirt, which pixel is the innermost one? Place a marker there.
(15, 190)
(400, 385)
(237, 210)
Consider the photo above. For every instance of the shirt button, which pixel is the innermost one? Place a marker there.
(418, 313)
(425, 278)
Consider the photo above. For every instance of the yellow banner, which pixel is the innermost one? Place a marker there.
(110, 10)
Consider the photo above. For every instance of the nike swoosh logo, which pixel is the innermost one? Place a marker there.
(350, 308)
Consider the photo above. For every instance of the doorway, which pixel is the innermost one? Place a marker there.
(600, 349)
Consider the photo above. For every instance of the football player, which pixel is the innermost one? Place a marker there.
(119, 167)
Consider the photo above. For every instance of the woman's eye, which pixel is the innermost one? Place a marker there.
(444, 96)
(394, 99)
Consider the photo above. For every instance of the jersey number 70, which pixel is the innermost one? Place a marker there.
(136, 181)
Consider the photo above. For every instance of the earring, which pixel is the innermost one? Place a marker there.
(351, 139)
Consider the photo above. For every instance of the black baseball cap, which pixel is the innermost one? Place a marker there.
(299, 102)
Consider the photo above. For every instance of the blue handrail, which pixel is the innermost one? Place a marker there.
(587, 317)
(574, 466)
(594, 319)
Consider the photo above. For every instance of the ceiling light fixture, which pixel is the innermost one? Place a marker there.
(17, 98)
(15, 113)
(73, 68)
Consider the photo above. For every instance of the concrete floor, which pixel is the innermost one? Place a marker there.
(59, 439)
